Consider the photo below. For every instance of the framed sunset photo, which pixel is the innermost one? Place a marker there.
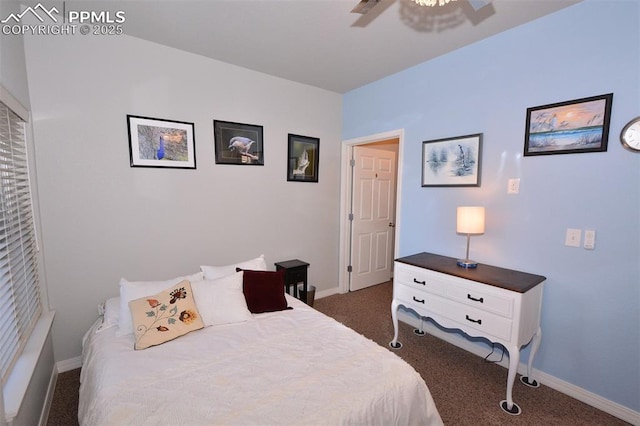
(580, 125)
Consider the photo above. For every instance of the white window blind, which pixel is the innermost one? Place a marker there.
(20, 305)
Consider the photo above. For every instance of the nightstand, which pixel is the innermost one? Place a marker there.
(295, 272)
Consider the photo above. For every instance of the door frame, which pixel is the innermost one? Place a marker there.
(345, 198)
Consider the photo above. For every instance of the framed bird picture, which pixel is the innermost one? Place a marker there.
(155, 142)
(304, 156)
(238, 143)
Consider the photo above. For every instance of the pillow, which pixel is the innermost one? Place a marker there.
(131, 290)
(110, 311)
(221, 301)
(164, 316)
(213, 272)
(264, 291)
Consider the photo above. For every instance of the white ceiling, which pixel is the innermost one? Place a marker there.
(320, 42)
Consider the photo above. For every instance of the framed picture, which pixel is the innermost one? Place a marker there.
(581, 125)
(155, 142)
(303, 154)
(238, 143)
(452, 161)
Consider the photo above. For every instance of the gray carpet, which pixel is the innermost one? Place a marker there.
(466, 390)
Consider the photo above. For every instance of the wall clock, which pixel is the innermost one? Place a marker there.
(630, 135)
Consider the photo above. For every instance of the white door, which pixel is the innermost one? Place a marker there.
(373, 209)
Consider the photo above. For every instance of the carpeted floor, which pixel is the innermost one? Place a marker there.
(466, 390)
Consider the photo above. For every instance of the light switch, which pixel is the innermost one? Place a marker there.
(589, 239)
(573, 237)
(513, 186)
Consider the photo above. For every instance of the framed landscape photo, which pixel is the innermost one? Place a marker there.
(452, 161)
(155, 142)
(580, 125)
(303, 156)
(238, 143)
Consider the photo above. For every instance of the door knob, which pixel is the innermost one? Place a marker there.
(392, 225)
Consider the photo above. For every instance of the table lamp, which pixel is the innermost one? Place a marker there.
(470, 220)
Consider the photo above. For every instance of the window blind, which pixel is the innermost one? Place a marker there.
(20, 305)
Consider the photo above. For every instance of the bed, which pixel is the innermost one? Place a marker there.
(290, 366)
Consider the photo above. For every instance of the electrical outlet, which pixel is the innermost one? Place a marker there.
(513, 186)
(589, 239)
(573, 237)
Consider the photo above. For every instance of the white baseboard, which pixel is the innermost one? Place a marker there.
(59, 367)
(44, 416)
(603, 404)
(597, 401)
(69, 364)
(327, 293)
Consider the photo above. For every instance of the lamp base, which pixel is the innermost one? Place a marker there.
(467, 263)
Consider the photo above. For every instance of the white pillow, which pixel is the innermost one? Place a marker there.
(221, 301)
(111, 314)
(214, 272)
(132, 290)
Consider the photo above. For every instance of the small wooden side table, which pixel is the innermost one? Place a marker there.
(295, 273)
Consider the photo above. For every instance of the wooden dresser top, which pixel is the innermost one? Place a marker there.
(508, 279)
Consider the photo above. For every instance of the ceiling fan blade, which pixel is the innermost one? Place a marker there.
(364, 6)
(478, 4)
(374, 11)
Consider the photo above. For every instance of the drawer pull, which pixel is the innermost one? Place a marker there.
(418, 300)
(419, 282)
(481, 300)
(471, 319)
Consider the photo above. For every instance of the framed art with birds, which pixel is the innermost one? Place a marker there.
(155, 142)
(238, 143)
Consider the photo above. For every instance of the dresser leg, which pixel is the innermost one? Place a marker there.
(535, 344)
(508, 405)
(394, 344)
(420, 331)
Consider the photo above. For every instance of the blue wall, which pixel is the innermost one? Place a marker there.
(591, 305)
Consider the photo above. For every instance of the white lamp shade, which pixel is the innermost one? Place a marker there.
(470, 220)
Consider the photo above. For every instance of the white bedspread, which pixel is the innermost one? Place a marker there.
(292, 367)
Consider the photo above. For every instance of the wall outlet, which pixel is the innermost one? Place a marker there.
(589, 239)
(513, 186)
(573, 237)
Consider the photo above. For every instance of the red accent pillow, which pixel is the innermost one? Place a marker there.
(264, 291)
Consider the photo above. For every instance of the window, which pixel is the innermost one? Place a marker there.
(20, 305)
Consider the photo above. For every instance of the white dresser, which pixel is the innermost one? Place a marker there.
(501, 305)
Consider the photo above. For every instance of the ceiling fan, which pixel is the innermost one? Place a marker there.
(371, 9)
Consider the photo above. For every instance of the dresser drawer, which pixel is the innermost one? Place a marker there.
(451, 314)
(477, 295)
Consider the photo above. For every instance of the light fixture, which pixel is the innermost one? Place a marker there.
(470, 220)
(432, 3)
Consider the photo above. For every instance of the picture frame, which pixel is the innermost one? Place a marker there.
(303, 154)
(454, 161)
(238, 143)
(162, 143)
(576, 126)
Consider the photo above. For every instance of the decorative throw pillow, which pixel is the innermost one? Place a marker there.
(162, 317)
(264, 291)
(131, 290)
(213, 272)
(221, 301)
